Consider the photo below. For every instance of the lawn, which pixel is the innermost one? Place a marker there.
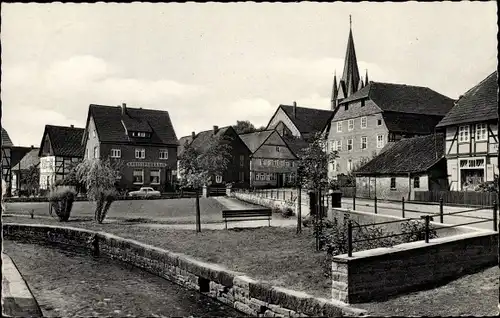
(159, 211)
(281, 257)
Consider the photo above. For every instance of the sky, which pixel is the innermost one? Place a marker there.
(215, 63)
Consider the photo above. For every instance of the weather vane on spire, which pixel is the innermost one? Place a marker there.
(350, 22)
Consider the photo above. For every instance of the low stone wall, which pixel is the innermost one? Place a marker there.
(274, 202)
(252, 297)
(380, 273)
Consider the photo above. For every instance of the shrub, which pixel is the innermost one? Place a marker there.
(61, 200)
(287, 212)
(415, 231)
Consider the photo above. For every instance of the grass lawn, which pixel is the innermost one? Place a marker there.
(160, 211)
(283, 258)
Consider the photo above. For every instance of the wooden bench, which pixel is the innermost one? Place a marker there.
(247, 215)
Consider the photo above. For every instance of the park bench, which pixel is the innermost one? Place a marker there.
(247, 215)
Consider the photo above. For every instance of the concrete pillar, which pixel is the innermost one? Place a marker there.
(228, 190)
(205, 192)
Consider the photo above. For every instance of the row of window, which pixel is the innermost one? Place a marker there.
(264, 176)
(276, 163)
(337, 144)
(481, 133)
(138, 176)
(416, 183)
(350, 124)
(140, 153)
(241, 176)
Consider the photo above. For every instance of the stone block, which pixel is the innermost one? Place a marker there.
(244, 308)
(340, 286)
(268, 313)
(279, 310)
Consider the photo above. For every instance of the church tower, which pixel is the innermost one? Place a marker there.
(350, 82)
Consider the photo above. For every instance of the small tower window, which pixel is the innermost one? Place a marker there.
(346, 107)
(362, 103)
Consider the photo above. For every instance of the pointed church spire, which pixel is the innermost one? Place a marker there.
(361, 84)
(366, 77)
(335, 91)
(350, 75)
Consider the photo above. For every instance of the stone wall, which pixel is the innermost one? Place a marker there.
(365, 277)
(275, 201)
(249, 296)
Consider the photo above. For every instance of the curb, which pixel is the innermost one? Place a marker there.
(17, 299)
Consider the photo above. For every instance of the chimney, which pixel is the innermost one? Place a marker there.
(193, 134)
(294, 109)
(216, 129)
(32, 146)
(72, 126)
(124, 109)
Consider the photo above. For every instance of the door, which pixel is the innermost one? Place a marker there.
(279, 180)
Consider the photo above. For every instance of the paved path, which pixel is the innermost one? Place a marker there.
(395, 209)
(67, 284)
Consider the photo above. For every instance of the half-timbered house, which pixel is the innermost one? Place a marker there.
(21, 170)
(11, 155)
(471, 128)
(60, 150)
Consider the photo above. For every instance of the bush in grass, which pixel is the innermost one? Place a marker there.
(61, 200)
(415, 231)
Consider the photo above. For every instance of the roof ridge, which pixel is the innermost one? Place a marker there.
(258, 131)
(328, 110)
(475, 86)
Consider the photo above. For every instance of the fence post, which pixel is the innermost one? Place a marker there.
(403, 207)
(427, 219)
(349, 238)
(354, 201)
(495, 216)
(375, 204)
(441, 212)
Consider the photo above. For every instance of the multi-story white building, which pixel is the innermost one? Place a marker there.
(471, 128)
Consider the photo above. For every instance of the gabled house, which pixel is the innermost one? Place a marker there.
(143, 140)
(412, 164)
(471, 129)
(299, 122)
(272, 163)
(60, 150)
(238, 170)
(21, 169)
(378, 114)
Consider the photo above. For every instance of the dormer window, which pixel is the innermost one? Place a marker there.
(140, 134)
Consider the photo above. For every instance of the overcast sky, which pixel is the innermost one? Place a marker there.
(212, 64)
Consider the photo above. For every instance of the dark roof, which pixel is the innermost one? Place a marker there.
(29, 159)
(65, 141)
(410, 123)
(413, 155)
(478, 104)
(404, 98)
(6, 139)
(201, 139)
(110, 124)
(255, 139)
(296, 145)
(308, 120)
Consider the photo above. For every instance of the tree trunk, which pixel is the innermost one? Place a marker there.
(198, 216)
(105, 211)
(98, 210)
(299, 210)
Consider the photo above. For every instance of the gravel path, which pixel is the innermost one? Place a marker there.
(66, 283)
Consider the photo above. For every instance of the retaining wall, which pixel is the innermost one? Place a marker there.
(252, 297)
(380, 273)
(275, 202)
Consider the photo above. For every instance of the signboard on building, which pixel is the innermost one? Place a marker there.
(146, 164)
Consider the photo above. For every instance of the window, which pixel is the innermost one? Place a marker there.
(339, 126)
(218, 179)
(349, 144)
(88, 153)
(363, 103)
(339, 145)
(96, 152)
(116, 153)
(273, 176)
(363, 122)
(379, 122)
(364, 142)
(334, 165)
(261, 162)
(380, 141)
(463, 133)
(350, 124)
(416, 182)
(163, 154)
(140, 153)
(481, 132)
(278, 148)
(268, 176)
(393, 183)
(154, 177)
(349, 165)
(138, 176)
(287, 163)
(242, 176)
(346, 106)
(242, 160)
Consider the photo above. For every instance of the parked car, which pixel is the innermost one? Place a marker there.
(145, 192)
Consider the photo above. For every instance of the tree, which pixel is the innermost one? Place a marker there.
(244, 126)
(71, 179)
(31, 179)
(199, 166)
(312, 174)
(99, 178)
